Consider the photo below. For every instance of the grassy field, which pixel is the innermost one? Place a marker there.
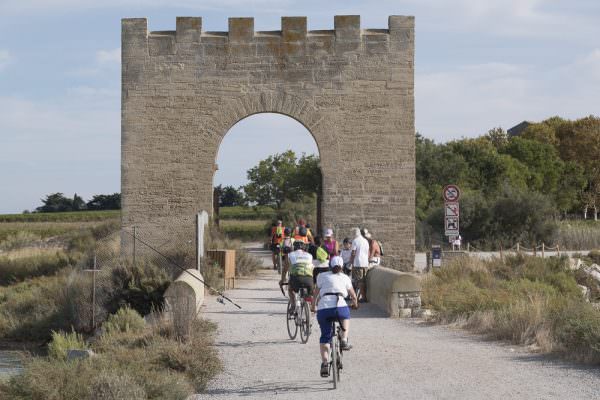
(252, 213)
(75, 216)
(245, 229)
(525, 300)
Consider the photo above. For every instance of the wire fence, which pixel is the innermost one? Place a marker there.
(133, 266)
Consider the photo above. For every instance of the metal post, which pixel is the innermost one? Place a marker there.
(134, 240)
(501, 253)
(558, 249)
(518, 247)
(468, 247)
(94, 293)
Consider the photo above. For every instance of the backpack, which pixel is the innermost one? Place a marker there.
(380, 247)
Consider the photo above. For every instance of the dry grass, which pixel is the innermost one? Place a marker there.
(524, 300)
(150, 364)
(27, 252)
(578, 235)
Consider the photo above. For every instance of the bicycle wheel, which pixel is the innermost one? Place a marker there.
(292, 327)
(279, 262)
(340, 357)
(334, 362)
(304, 319)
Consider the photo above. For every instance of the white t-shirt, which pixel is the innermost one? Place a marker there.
(328, 282)
(361, 246)
(346, 254)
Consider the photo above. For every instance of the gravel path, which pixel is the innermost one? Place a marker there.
(391, 358)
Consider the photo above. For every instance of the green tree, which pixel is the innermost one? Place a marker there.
(230, 196)
(55, 202)
(105, 202)
(283, 177)
(78, 204)
(498, 137)
(580, 143)
(542, 160)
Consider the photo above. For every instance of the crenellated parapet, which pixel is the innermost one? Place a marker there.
(241, 39)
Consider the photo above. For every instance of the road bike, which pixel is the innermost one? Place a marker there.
(279, 259)
(335, 348)
(298, 315)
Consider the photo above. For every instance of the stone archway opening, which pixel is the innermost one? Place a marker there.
(293, 192)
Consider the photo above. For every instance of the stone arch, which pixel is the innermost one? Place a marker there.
(351, 88)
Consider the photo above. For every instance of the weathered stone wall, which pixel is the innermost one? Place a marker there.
(352, 89)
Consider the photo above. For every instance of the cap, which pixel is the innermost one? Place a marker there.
(336, 261)
(329, 232)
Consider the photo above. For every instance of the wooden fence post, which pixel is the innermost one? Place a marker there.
(543, 248)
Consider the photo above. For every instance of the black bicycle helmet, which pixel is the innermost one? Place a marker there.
(287, 231)
(302, 231)
(298, 245)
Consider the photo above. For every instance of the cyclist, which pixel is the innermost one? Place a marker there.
(287, 247)
(301, 270)
(330, 306)
(303, 227)
(320, 257)
(300, 235)
(277, 237)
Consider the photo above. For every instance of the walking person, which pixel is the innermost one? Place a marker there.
(374, 251)
(360, 263)
(330, 244)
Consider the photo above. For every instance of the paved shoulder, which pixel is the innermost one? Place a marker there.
(391, 359)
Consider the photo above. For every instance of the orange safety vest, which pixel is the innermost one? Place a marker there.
(277, 234)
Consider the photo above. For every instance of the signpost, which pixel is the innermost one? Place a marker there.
(451, 194)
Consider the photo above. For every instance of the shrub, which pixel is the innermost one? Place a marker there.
(18, 239)
(62, 342)
(125, 320)
(109, 385)
(525, 300)
(594, 255)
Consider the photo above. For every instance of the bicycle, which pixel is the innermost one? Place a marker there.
(298, 315)
(279, 259)
(335, 347)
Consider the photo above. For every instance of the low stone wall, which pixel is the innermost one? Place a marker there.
(398, 293)
(184, 298)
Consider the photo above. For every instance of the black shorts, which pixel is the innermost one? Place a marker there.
(275, 248)
(296, 282)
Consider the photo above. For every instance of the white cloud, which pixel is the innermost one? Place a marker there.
(471, 99)
(5, 59)
(104, 57)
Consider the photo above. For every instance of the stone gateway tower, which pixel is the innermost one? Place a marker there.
(352, 88)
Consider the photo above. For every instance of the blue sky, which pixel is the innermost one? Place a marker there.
(479, 64)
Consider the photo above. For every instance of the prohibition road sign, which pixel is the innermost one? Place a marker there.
(451, 193)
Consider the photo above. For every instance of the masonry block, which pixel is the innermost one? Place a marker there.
(241, 29)
(189, 29)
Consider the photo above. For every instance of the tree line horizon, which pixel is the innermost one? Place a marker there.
(513, 187)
